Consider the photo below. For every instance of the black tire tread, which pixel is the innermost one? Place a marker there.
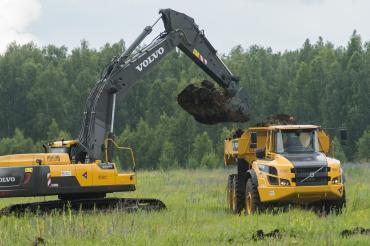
(230, 190)
(251, 187)
(241, 179)
(337, 205)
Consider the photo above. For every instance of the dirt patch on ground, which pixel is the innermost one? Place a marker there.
(355, 231)
(210, 105)
(260, 235)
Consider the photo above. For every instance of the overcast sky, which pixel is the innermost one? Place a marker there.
(279, 24)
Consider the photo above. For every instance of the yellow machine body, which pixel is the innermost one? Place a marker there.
(276, 176)
(54, 173)
(294, 193)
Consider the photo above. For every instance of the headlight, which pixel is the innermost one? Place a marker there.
(267, 169)
(284, 182)
(263, 168)
(335, 180)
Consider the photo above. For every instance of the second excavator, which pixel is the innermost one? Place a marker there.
(81, 171)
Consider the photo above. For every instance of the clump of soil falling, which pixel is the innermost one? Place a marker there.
(211, 105)
(278, 119)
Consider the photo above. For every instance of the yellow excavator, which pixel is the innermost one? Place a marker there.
(81, 172)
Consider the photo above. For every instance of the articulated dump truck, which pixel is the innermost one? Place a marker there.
(283, 164)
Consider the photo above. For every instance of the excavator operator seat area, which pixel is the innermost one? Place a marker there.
(61, 147)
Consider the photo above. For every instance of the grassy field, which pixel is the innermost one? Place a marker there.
(196, 215)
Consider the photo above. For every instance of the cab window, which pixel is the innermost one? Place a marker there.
(296, 141)
(58, 150)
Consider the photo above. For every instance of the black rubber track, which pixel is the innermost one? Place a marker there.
(103, 204)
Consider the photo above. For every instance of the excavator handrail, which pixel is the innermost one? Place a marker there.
(121, 148)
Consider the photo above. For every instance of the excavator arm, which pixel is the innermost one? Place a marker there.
(196, 46)
(124, 71)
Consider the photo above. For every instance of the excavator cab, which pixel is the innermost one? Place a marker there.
(60, 146)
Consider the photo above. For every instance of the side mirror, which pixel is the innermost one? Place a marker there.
(343, 135)
(253, 141)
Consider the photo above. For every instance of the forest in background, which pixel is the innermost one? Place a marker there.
(43, 92)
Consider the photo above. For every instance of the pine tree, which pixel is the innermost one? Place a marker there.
(167, 158)
(363, 147)
(17, 144)
(202, 145)
(338, 150)
(54, 133)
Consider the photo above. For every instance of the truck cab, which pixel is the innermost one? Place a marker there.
(283, 164)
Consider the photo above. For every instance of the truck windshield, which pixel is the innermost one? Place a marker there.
(296, 141)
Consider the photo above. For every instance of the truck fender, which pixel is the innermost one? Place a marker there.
(251, 174)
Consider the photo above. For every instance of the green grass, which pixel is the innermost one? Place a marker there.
(196, 215)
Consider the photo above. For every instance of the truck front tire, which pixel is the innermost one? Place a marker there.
(252, 198)
(336, 206)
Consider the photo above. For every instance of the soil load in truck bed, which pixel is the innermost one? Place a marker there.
(210, 105)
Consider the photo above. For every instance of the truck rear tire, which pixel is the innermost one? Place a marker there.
(252, 198)
(234, 201)
(231, 195)
(241, 179)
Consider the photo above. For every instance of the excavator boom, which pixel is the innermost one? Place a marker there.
(182, 32)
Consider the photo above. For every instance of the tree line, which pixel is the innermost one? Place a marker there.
(43, 91)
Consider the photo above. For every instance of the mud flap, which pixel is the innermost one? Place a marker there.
(211, 105)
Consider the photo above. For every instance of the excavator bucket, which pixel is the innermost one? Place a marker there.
(211, 105)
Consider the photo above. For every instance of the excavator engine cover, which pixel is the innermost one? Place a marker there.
(211, 105)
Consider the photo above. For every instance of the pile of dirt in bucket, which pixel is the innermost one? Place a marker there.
(210, 104)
